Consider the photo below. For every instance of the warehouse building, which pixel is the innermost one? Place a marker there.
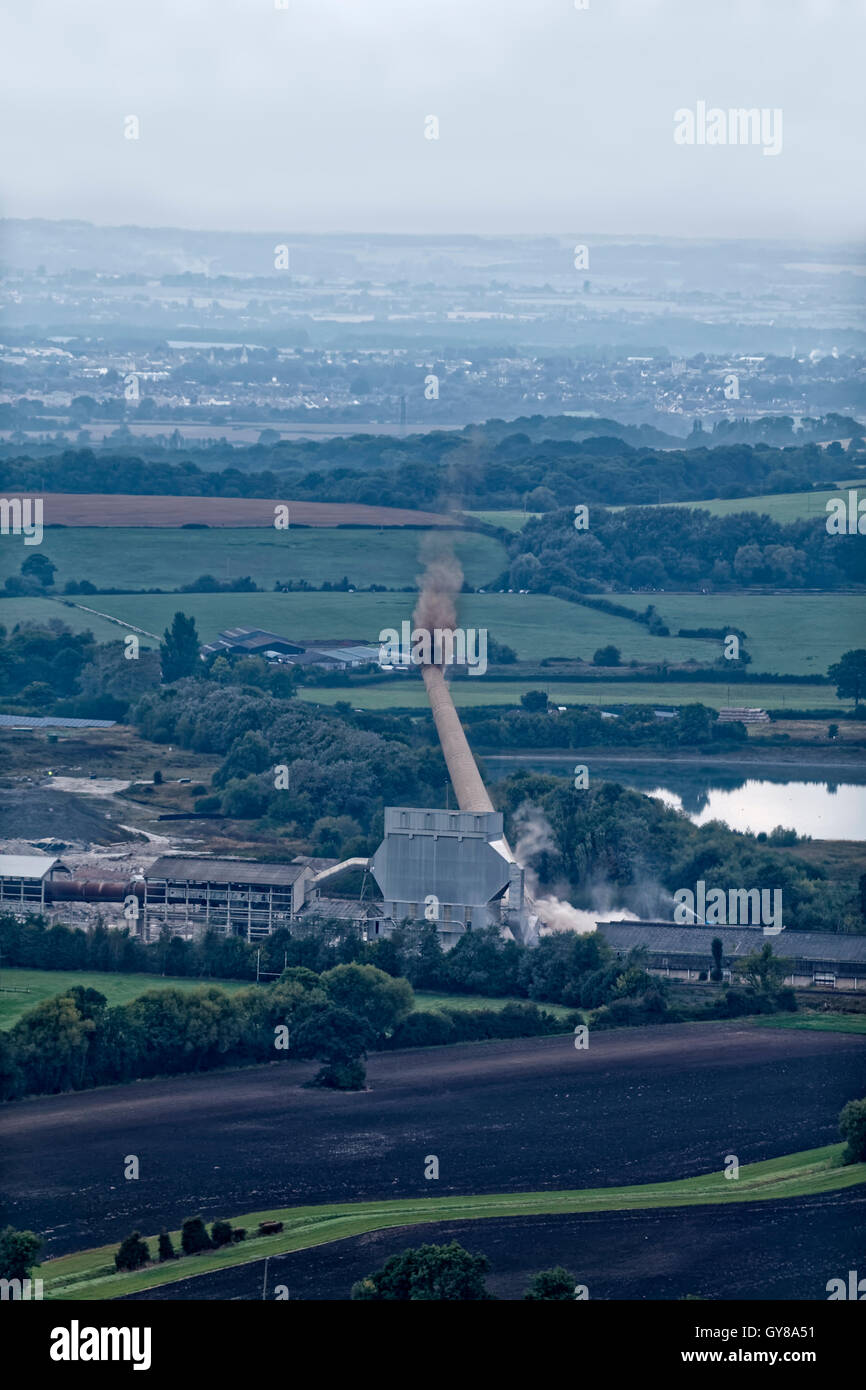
(237, 897)
(823, 959)
(24, 879)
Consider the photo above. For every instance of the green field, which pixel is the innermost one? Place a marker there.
(796, 634)
(535, 625)
(89, 1274)
(823, 1023)
(46, 610)
(427, 999)
(781, 506)
(164, 558)
(401, 693)
(787, 633)
(117, 988)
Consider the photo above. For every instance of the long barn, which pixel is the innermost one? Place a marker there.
(825, 959)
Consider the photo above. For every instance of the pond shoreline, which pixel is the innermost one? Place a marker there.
(782, 758)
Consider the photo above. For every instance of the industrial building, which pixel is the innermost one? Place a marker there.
(234, 896)
(25, 880)
(448, 867)
(334, 653)
(683, 953)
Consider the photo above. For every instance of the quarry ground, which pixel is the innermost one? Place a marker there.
(640, 1105)
(759, 1250)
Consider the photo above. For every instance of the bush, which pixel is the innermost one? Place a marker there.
(551, 1286)
(194, 1237)
(607, 656)
(425, 1274)
(221, 1233)
(207, 803)
(166, 1249)
(133, 1253)
(239, 1233)
(341, 1076)
(18, 1252)
(423, 1029)
(852, 1126)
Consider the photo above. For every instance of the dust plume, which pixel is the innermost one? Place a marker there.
(555, 914)
(439, 586)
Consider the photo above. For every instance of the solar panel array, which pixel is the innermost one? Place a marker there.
(18, 721)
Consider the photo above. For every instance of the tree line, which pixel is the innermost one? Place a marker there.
(677, 548)
(498, 465)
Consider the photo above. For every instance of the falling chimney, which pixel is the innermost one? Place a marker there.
(466, 780)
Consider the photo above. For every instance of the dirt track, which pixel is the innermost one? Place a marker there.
(638, 1106)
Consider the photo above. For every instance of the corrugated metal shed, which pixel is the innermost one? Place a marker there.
(181, 870)
(665, 938)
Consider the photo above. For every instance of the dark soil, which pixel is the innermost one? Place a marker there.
(760, 1250)
(639, 1105)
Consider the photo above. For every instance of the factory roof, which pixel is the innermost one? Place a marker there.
(178, 869)
(27, 865)
(665, 938)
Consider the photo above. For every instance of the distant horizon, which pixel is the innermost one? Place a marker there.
(593, 235)
(492, 115)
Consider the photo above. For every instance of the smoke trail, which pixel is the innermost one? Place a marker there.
(439, 586)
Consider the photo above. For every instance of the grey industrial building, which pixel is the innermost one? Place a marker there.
(824, 959)
(235, 896)
(448, 867)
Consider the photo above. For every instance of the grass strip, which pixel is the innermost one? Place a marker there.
(90, 1274)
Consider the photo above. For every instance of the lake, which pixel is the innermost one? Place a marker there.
(756, 798)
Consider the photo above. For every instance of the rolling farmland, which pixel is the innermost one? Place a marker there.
(791, 633)
(801, 634)
(125, 509)
(535, 625)
(403, 694)
(140, 557)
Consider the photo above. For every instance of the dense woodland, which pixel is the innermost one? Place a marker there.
(484, 466)
(679, 548)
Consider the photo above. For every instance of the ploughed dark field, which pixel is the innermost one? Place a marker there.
(759, 1250)
(640, 1105)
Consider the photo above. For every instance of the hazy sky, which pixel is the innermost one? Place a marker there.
(551, 119)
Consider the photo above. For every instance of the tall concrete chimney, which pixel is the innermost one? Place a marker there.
(466, 780)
